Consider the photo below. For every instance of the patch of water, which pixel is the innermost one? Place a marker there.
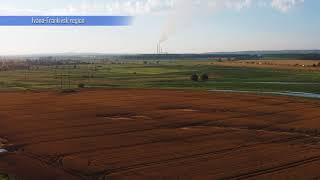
(300, 94)
(3, 151)
(270, 82)
(286, 93)
(283, 83)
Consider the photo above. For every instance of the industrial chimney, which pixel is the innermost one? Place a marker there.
(159, 51)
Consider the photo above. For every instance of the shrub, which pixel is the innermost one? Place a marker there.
(194, 77)
(204, 77)
(81, 85)
(67, 91)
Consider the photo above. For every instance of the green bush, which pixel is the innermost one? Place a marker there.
(205, 77)
(81, 85)
(194, 77)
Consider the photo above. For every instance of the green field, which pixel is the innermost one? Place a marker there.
(166, 74)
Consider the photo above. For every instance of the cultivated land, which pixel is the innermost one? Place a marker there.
(158, 134)
(148, 120)
(311, 65)
(171, 74)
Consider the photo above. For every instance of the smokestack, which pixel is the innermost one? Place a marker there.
(157, 49)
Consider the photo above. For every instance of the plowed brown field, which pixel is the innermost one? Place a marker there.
(158, 134)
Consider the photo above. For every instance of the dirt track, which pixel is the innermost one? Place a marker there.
(158, 134)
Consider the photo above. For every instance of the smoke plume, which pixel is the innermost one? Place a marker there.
(181, 14)
(177, 17)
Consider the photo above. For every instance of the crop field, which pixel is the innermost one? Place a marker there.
(310, 65)
(149, 120)
(167, 75)
(158, 134)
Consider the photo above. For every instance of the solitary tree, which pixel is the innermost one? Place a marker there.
(194, 77)
(81, 85)
(204, 77)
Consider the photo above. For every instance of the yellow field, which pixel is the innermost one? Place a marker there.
(281, 64)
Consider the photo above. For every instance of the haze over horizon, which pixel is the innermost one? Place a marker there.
(184, 26)
(256, 52)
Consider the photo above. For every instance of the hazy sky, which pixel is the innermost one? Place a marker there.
(187, 26)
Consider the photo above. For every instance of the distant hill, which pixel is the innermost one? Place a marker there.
(279, 52)
(238, 55)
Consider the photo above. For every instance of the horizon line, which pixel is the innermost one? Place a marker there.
(130, 53)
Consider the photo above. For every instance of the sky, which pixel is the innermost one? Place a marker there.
(182, 26)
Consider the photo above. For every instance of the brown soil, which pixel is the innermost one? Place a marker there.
(158, 134)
